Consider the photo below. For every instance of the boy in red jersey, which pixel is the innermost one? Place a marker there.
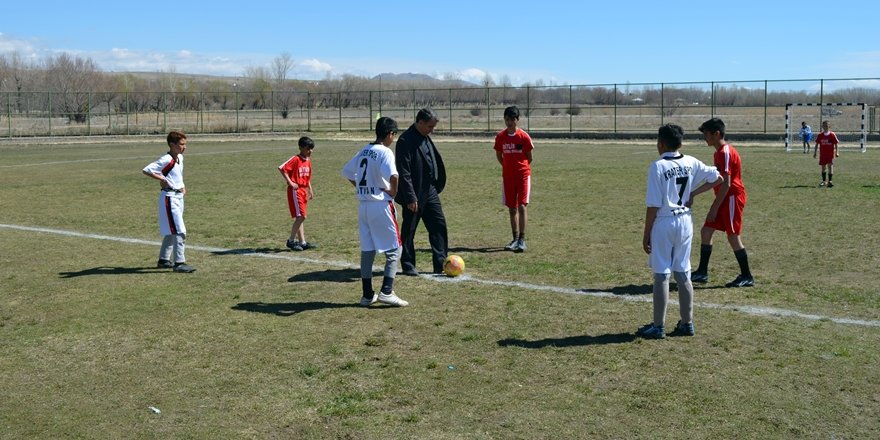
(513, 149)
(727, 210)
(826, 143)
(297, 174)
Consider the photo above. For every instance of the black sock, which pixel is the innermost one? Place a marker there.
(829, 177)
(367, 285)
(705, 253)
(823, 175)
(743, 259)
(387, 285)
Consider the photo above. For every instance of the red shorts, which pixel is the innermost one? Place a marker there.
(297, 202)
(730, 215)
(826, 156)
(515, 190)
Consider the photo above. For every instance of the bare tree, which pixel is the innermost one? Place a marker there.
(72, 78)
(281, 66)
(259, 87)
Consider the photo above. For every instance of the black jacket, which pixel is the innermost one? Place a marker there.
(415, 179)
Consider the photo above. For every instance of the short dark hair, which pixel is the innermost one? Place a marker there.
(511, 112)
(384, 127)
(671, 136)
(426, 114)
(174, 137)
(714, 124)
(306, 142)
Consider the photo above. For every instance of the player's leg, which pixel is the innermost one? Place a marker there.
(435, 223)
(508, 199)
(701, 275)
(514, 231)
(685, 326)
(734, 237)
(830, 174)
(824, 175)
(523, 190)
(408, 232)
(296, 234)
(661, 261)
(165, 252)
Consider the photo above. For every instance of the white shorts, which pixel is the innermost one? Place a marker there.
(171, 213)
(377, 226)
(671, 240)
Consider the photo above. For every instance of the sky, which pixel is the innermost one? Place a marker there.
(554, 42)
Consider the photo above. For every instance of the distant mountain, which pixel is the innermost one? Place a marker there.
(422, 79)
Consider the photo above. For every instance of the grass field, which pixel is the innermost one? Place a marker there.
(262, 342)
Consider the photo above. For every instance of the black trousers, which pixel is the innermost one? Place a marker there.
(431, 212)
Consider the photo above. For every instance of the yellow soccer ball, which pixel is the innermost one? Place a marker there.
(453, 266)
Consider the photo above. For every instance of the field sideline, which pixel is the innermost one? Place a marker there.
(262, 342)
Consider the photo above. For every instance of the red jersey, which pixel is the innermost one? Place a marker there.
(299, 170)
(728, 163)
(513, 148)
(826, 142)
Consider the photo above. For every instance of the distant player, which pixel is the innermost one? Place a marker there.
(806, 136)
(297, 173)
(826, 143)
(673, 180)
(726, 213)
(513, 149)
(168, 170)
(373, 174)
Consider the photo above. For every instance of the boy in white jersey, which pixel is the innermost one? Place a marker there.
(673, 181)
(168, 170)
(373, 173)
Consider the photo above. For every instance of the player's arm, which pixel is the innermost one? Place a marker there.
(158, 176)
(311, 191)
(719, 197)
(287, 180)
(529, 156)
(650, 216)
(392, 191)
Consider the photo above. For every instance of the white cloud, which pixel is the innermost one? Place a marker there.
(10, 44)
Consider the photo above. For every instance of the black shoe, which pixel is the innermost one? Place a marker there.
(184, 268)
(308, 245)
(741, 281)
(164, 264)
(410, 272)
(699, 277)
(294, 245)
(651, 331)
(683, 329)
(830, 184)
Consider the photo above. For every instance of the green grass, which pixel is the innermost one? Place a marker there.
(91, 335)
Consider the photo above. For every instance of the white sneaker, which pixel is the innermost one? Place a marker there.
(367, 302)
(392, 299)
(511, 246)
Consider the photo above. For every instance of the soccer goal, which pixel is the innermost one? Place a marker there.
(848, 121)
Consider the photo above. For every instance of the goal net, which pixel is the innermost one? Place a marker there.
(847, 121)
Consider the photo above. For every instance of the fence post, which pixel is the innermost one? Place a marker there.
(529, 108)
(488, 110)
(339, 105)
(712, 100)
(662, 104)
(237, 130)
(164, 112)
(570, 117)
(89, 114)
(450, 110)
(615, 108)
(49, 95)
(272, 110)
(765, 106)
(127, 112)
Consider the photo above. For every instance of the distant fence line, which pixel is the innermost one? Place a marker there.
(746, 106)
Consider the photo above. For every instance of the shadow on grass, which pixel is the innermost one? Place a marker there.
(487, 250)
(797, 186)
(105, 270)
(289, 309)
(245, 251)
(629, 289)
(333, 275)
(571, 341)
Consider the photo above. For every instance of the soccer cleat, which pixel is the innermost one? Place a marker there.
(741, 281)
(294, 245)
(830, 184)
(520, 246)
(164, 264)
(512, 245)
(699, 277)
(651, 331)
(683, 329)
(392, 299)
(183, 268)
(366, 302)
(822, 184)
(306, 245)
(410, 272)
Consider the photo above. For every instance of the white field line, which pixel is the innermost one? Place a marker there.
(747, 309)
(153, 157)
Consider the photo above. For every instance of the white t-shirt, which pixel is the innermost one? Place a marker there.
(371, 169)
(672, 178)
(169, 167)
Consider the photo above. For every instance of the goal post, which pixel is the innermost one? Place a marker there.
(848, 121)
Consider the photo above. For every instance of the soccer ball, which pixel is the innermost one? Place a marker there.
(453, 266)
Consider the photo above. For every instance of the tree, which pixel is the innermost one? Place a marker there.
(72, 78)
(281, 66)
